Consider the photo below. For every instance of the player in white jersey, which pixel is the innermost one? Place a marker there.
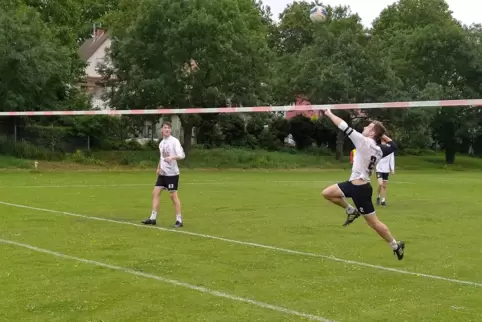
(167, 174)
(384, 167)
(358, 187)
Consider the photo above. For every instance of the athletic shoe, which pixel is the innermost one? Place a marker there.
(178, 224)
(149, 222)
(351, 217)
(400, 250)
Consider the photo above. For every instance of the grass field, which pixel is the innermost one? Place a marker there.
(256, 246)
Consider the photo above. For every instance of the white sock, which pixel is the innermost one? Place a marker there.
(154, 215)
(394, 244)
(350, 209)
(383, 199)
(179, 217)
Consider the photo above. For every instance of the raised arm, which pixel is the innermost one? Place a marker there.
(356, 137)
(388, 146)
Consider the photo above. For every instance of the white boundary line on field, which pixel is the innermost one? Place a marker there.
(233, 241)
(127, 185)
(170, 281)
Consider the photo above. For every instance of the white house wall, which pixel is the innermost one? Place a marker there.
(96, 58)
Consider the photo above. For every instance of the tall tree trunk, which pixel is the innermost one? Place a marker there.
(450, 151)
(188, 122)
(340, 140)
(187, 137)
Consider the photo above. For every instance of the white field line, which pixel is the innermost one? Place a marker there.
(122, 185)
(170, 281)
(274, 248)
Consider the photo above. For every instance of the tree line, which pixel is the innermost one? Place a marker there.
(212, 53)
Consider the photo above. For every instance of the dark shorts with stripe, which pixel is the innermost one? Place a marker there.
(169, 183)
(383, 175)
(361, 196)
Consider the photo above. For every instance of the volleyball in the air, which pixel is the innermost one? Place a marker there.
(318, 14)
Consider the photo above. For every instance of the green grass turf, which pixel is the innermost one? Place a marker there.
(436, 213)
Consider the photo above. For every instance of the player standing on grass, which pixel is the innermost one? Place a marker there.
(358, 187)
(167, 174)
(384, 167)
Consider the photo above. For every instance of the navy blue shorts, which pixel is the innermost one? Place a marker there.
(169, 183)
(361, 196)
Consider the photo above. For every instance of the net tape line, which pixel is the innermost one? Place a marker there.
(286, 108)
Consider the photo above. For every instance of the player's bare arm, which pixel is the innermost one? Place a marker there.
(335, 119)
(386, 139)
(356, 137)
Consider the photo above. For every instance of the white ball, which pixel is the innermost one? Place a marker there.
(318, 14)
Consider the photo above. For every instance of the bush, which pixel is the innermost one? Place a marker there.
(83, 158)
(302, 129)
(233, 128)
(268, 141)
(319, 151)
(208, 132)
(26, 150)
(54, 138)
(133, 145)
(152, 145)
(281, 129)
(416, 152)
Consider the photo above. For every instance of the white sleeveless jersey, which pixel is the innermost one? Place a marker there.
(368, 153)
(170, 147)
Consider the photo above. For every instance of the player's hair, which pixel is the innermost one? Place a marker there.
(167, 124)
(379, 130)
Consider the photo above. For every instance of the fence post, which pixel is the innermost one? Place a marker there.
(88, 142)
(15, 132)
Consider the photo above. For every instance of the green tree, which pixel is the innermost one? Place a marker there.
(72, 20)
(36, 70)
(434, 57)
(341, 67)
(183, 54)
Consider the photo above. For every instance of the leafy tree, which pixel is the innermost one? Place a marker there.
(36, 70)
(72, 20)
(183, 54)
(341, 67)
(435, 58)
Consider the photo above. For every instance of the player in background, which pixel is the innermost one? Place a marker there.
(384, 167)
(358, 187)
(167, 174)
(352, 155)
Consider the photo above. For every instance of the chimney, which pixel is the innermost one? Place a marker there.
(97, 33)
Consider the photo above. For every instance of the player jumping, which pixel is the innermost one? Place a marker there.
(167, 174)
(358, 187)
(384, 167)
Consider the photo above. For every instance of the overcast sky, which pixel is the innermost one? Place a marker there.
(467, 11)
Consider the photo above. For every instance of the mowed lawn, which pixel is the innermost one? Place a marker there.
(265, 247)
